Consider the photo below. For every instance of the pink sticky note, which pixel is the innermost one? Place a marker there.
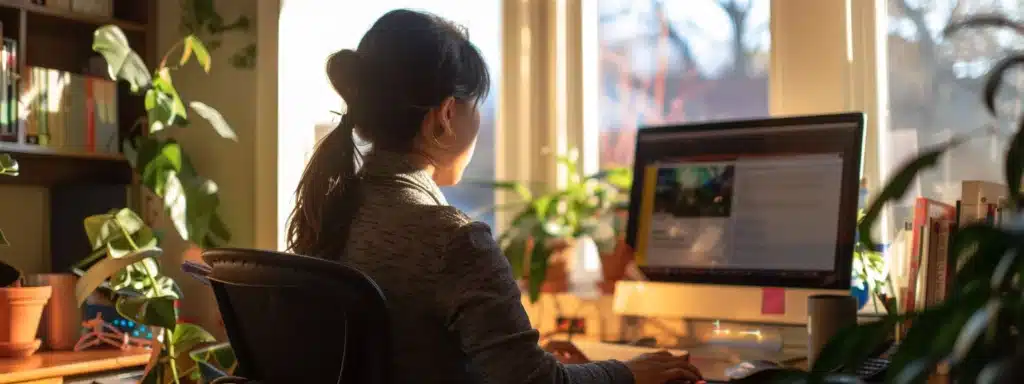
(773, 301)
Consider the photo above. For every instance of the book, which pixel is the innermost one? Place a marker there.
(67, 110)
(8, 87)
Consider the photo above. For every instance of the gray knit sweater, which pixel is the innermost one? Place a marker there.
(455, 306)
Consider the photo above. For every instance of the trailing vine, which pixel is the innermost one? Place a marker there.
(201, 19)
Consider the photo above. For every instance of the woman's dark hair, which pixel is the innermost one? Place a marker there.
(406, 64)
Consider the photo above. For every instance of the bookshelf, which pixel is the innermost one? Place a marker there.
(80, 179)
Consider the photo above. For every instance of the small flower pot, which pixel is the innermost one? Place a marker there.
(20, 311)
(613, 266)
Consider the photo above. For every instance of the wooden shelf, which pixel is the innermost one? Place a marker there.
(52, 365)
(42, 166)
(72, 16)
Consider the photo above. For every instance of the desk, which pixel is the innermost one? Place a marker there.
(712, 366)
(53, 367)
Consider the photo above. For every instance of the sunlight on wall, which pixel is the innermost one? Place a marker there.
(310, 30)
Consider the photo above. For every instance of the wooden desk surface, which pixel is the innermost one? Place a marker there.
(44, 365)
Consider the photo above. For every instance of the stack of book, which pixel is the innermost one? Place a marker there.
(925, 270)
(51, 108)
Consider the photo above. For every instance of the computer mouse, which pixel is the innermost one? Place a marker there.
(749, 368)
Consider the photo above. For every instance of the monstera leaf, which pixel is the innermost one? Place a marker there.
(122, 62)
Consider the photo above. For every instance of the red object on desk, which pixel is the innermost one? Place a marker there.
(773, 301)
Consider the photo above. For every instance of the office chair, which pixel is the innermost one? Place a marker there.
(298, 319)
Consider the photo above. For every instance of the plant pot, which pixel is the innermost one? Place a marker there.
(21, 309)
(613, 266)
(556, 280)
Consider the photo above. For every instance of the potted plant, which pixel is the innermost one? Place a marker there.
(546, 229)
(974, 335)
(125, 249)
(20, 307)
(870, 273)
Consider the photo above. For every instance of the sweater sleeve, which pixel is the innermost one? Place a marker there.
(482, 307)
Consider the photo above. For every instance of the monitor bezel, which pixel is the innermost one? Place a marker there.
(839, 278)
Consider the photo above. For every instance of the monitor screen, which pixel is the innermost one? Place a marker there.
(768, 202)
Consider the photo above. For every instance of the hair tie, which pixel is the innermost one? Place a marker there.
(347, 121)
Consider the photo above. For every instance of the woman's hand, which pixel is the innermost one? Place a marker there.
(660, 367)
(566, 352)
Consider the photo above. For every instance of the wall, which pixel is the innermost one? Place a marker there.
(243, 97)
(24, 218)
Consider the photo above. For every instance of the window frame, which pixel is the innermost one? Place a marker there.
(288, 152)
(827, 56)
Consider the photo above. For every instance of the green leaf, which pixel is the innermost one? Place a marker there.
(164, 107)
(539, 257)
(1014, 164)
(220, 357)
(514, 186)
(8, 275)
(933, 333)
(218, 230)
(191, 202)
(515, 252)
(108, 231)
(8, 166)
(157, 159)
(106, 268)
(216, 120)
(621, 177)
(188, 336)
(154, 375)
(122, 62)
(176, 203)
(898, 186)
(193, 44)
(975, 251)
(130, 221)
(972, 329)
(156, 311)
(99, 229)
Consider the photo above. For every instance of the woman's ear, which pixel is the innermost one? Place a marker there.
(446, 115)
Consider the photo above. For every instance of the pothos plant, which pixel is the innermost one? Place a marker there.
(973, 336)
(584, 207)
(125, 248)
(200, 18)
(870, 270)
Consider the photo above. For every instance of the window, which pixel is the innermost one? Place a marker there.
(310, 30)
(665, 62)
(934, 89)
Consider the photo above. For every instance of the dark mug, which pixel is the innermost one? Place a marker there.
(826, 315)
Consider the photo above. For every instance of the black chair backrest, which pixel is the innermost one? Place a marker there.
(298, 319)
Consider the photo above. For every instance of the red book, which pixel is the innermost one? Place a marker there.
(924, 209)
(90, 115)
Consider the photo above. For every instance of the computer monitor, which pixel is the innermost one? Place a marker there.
(749, 203)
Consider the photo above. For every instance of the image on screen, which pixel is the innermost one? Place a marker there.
(744, 213)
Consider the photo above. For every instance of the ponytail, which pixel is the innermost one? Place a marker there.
(327, 177)
(330, 171)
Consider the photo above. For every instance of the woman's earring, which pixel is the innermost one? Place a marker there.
(444, 132)
(440, 144)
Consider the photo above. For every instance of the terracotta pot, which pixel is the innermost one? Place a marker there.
(20, 311)
(556, 280)
(613, 266)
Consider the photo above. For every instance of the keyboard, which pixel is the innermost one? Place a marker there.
(872, 370)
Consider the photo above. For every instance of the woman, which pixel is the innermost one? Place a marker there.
(413, 89)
